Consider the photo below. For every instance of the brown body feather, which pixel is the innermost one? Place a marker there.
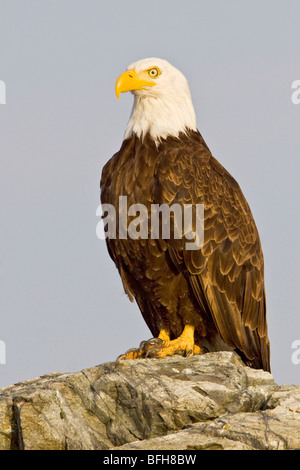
(218, 289)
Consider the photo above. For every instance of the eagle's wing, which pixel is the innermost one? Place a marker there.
(227, 273)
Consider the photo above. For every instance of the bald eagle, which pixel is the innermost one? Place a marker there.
(193, 301)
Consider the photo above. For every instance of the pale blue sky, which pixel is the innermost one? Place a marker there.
(62, 305)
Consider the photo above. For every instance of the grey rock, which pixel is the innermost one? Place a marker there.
(202, 402)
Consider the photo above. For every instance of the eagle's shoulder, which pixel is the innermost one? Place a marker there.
(112, 170)
(187, 168)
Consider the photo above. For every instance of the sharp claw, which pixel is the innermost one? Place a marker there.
(122, 357)
(146, 346)
(152, 352)
(132, 350)
(189, 353)
(154, 341)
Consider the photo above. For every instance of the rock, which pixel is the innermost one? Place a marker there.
(202, 402)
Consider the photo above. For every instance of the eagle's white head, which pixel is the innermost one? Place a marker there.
(162, 100)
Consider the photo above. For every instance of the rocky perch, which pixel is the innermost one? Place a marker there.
(202, 402)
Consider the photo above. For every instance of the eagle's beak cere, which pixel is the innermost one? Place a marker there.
(131, 80)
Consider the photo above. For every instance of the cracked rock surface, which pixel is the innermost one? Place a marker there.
(202, 402)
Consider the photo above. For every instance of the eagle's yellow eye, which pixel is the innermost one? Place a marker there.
(154, 72)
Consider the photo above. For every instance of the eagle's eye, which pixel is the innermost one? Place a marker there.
(154, 72)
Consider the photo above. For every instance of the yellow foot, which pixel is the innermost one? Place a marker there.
(163, 346)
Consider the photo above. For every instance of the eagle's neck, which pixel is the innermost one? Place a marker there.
(161, 116)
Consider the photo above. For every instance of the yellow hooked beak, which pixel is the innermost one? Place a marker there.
(131, 80)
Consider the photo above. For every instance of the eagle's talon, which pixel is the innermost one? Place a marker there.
(132, 353)
(142, 345)
(189, 353)
(145, 349)
(121, 357)
(154, 346)
(147, 346)
(154, 341)
(161, 347)
(152, 352)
